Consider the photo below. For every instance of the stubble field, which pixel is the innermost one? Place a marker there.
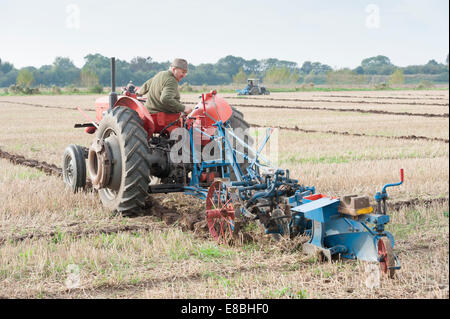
(340, 142)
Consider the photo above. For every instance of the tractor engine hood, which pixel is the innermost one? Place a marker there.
(214, 107)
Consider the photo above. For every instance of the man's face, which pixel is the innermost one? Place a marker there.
(179, 73)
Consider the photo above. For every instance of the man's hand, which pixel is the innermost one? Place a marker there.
(187, 109)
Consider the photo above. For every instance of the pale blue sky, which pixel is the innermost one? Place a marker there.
(332, 32)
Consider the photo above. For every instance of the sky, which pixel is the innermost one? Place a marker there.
(338, 33)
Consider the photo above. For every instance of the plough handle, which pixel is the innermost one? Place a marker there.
(402, 175)
(383, 195)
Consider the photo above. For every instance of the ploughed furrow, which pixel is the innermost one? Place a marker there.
(316, 108)
(46, 106)
(49, 169)
(416, 202)
(445, 115)
(340, 101)
(386, 97)
(409, 137)
(81, 233)
(189, 218)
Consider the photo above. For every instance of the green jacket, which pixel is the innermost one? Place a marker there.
(162, 93)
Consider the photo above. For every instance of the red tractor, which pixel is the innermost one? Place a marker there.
(132, 147)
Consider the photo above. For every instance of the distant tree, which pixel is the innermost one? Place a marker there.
(253, 75)
(25, 78)
(63, 63)
(267, 64)
(123, 73)
(315, 79)
(240, 77)
(229, 65)
(378, 60)
(252, 66)
(397, 77)
(281, 75)
(99, 64)
(413, 69)
(63, 72)
(8, 74)
(5, 67)
(319, 68)
(96, 61)
(359, 70)
(344, 76)
(8, 78)
(379, 64)
(207, 73)
(294, 77)
(88, 78)
(432, 67)
(306, 67)
(141, 64)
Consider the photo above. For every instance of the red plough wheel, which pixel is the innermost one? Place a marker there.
(220, 212)
(386, 257)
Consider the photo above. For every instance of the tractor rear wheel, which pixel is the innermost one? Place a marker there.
(74, 167)
(254, 91)
(237, 123)
(125, 187)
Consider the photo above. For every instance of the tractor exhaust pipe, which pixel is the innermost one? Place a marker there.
(113, 94)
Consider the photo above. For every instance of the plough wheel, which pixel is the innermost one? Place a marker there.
(386, 257)
(220, 212)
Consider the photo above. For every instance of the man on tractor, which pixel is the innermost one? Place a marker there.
(162, 90)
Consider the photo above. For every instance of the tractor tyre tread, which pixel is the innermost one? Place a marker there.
(237, 121)
(135, 178)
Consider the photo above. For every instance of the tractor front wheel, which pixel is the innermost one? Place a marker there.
(74, 167)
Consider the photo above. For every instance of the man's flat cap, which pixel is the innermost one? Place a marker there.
(180, 63)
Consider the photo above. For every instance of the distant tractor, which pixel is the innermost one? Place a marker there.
(253, 88)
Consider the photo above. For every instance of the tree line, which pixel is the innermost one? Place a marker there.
(230, 69)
